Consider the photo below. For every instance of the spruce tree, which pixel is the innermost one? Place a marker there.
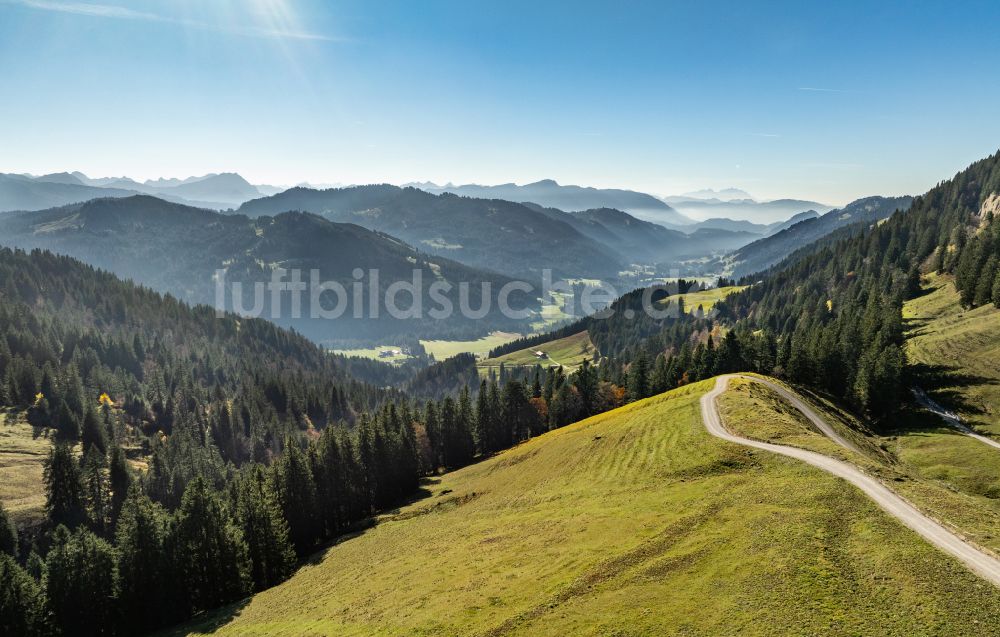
(64, 501)
(92, 432)
(207, 551)
(81, 582)
(119, 480)
(146, 599)
(264, 528)
(8, 533)
(638, 377)
(22, 601)
(296, 492)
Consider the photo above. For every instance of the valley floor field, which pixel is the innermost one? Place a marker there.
(633, 522)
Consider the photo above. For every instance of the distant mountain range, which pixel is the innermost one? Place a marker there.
(550, 194)
(509, 229)
(761, 229)
(760, 212)
(494, 234)
(177, 249)
(518, 239)
(765, 252)
(216, 191)
(640, 241)
(725, 194)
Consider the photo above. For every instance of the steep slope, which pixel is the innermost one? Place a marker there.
(588, 528)
(957, 352)
(497, 235)
(836, 307)
(778, 226)
(639, 240)
(550, 194)
(764, 253)
(177, 249)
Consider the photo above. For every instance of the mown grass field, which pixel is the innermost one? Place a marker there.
(634, 522)
(570, 352)
(23, 450)
(480, 347)
(706, 298)
(374, 353)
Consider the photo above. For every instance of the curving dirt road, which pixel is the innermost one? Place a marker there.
(953, 419)
(978, 561)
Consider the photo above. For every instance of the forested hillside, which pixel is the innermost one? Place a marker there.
(258, 447)
(837, 310)
(763, 253)
(828, 316)
(178, 249)
(495, 234)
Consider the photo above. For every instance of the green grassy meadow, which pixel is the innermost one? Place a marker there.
(23, 450)
(706, 298)
(374, 353)
(480, 347)
(633, 522)
(937, 470)
(962, 347)
(570, 352)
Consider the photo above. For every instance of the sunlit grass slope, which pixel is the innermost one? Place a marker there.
(965, 344)
(635, 522)
(705, 298)
(570, 352)
(940, 472)
(23, 450)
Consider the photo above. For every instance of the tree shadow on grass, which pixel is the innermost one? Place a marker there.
(943, 383)
(208, 622)
(360, 527)
(211, 621)
(914, 327)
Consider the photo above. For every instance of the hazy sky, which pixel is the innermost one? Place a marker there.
(829, 103)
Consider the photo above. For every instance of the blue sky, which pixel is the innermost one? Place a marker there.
(828, 102)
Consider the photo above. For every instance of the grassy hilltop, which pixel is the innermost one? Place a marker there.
(633, 522)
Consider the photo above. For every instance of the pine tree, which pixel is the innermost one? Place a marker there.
(463, 446)
(658, 381)
(22, 602)
(66, 422)
(63, 488)
(482, 419)
(638, 377)
(585, 382)
(296, 492)
(146, 599)
(264, 528)
(8, 533)
(81, 582)
(119, 481)
(92, 432)
(984, 286)
(96, 491)
(208, 553)
(995, 292)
